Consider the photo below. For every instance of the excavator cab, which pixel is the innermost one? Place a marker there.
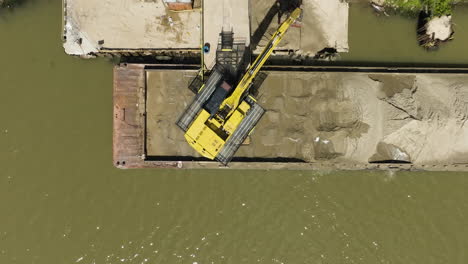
(220, 93)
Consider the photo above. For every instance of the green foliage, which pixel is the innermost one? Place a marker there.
(439, 7)
(406, 6)
(436, 7)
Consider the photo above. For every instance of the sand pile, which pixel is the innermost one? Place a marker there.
(435, 110)
(354, 117)
(332, 117)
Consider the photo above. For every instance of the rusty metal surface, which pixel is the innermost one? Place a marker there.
(128, 120)
(180, 6)
(129, 110)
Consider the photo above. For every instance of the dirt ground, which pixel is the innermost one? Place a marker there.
(343, 117)
(128, 24)
(324, 24)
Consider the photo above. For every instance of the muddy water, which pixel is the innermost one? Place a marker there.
(374, 38)
(61, 201)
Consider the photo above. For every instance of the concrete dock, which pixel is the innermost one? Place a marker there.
(142, 28)
(97, 26)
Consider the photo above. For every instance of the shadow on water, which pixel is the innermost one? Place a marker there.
(10, 4)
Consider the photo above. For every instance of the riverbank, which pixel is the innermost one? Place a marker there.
(6, 3)
(435, 24)
(436, 8)
(11, 3)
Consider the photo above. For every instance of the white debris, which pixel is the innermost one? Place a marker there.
(440, 27)
(171, 22)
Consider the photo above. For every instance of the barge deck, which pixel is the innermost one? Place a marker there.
(317, 118)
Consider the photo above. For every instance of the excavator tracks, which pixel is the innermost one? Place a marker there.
(243, 130)
(186, 119)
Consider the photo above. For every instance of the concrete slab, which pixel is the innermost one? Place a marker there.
(97, 25)
(227, 15)
(324, 25)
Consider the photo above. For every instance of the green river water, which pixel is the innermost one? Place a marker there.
(62, 201)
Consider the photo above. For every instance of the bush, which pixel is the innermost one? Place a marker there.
(6, 3)
(435, 7)
(439, 7)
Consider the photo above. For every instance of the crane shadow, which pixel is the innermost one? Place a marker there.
(278, 8)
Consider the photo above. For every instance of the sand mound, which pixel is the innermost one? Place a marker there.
(354, 117)
(333, 117)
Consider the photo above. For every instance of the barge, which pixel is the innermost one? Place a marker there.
(316, 118)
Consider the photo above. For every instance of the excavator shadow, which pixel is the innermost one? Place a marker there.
(235, 159)
(278, 8)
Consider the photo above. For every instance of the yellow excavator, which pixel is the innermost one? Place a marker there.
(220, 118)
